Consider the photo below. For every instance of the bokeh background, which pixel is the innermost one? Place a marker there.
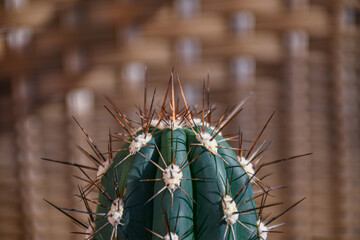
(299, 57)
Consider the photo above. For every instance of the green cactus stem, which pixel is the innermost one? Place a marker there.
(176, 177)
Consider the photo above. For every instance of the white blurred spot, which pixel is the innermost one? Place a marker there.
(187, 8)
(297, 42)
(243, 69)
(134, 73)
(188, 50)
(80, 101)
(14, 4)
(243, 22)
(18, 37)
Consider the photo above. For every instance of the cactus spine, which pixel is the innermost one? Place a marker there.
(175, 178)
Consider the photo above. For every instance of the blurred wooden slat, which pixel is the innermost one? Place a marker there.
(299, 57)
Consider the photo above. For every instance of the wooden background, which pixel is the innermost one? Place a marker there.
(299, 57)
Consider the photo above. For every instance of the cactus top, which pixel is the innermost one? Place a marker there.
(176, 178)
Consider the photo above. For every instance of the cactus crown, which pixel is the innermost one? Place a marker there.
(176, 177)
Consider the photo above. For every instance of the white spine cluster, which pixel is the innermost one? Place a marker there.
(116, 212)
(199, 122)
(172, 177)
(247, 166)
(139, 142)
(173, 236)
(164, 124)
(262, 229)
(102, 169)
(230, 210)
(177, 124)
(205, 140)
(155, 123)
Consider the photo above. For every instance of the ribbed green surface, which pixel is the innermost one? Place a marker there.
(182, 205)
(200, 220)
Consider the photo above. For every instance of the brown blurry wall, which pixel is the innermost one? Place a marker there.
(300, 58)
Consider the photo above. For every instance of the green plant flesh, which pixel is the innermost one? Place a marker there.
(191, 203)
(175, 178)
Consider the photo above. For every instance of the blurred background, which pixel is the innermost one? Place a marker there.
(299, 57)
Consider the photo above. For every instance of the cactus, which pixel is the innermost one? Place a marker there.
(176, 177)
